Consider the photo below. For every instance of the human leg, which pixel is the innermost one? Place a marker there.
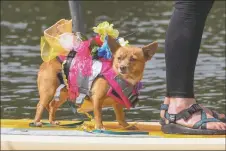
(182, 45)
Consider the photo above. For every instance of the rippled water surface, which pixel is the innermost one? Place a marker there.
(22, 24)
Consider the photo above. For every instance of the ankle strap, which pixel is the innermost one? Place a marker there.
(164, 107)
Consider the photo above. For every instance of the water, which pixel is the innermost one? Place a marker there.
(22, 24)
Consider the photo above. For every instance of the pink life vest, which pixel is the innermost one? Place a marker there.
(120, 90)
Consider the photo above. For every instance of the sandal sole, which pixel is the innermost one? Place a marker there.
(179, 129)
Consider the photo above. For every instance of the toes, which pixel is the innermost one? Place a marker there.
(100, 127)
(126, 126)
(38, 124)
(132, 128)
(55, 122)
(216, 126)
(223, 126)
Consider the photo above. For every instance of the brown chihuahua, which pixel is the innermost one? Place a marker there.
(128, 62)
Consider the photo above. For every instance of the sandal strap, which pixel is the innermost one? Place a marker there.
(185, 114)
(164, 107)
(215, 115)
(203, 122)
(203, 117)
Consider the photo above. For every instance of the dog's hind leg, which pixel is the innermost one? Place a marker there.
(47, 85)
(43, 103)
(54, 105)
(38, 114)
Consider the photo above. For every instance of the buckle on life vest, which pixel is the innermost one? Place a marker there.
(128, 90)
(133, 98)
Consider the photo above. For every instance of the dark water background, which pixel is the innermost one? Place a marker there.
(23, 22)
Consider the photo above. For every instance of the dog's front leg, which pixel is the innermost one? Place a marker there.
(97, 108)
(120, 116)
(99, 91)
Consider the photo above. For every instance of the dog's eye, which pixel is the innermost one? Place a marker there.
(119, 58)
(132, 59)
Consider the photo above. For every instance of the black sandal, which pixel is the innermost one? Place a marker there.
(198, 129)
(214, 113)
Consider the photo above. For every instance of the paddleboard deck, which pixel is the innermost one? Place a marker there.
(150, 129)
(18, 135)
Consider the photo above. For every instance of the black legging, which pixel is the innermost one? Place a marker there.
(182, 45)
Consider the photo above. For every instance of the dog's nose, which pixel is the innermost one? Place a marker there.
(123, 68)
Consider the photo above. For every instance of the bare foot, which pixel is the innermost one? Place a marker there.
(178, 104)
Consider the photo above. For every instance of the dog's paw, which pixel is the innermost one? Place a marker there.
(38, 124)
(132, 127)
(55, 122)
(99, 127)
(126, 126)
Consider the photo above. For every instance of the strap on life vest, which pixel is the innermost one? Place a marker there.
(66, 69)
(122, 88)
(82, 81)
(67, 65)
(128, 90)
(57, 93)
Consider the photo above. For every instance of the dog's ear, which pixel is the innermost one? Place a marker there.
(113, 45)
(149, 50)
